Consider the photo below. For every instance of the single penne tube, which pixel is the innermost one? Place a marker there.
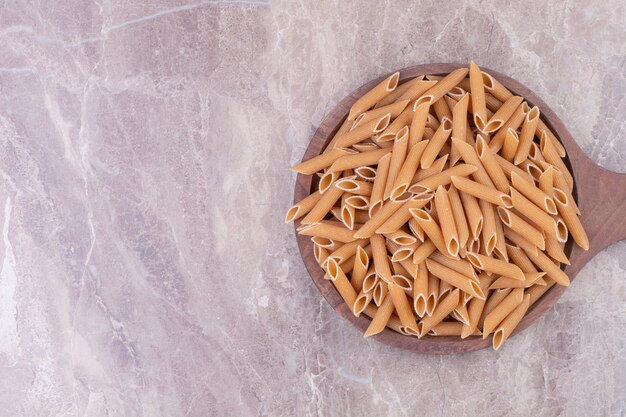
(444, 288)
(493, 104)
(541, 128)
(431, 183)
(345, 251)
(363, 131)
(404, 252)
(323, 242)
(477, 88)
(381, 261)
(519, 258)
(401, 237)
(500, 248)
(361, 301)
(378, 187)
(398, 155)
(403, 309)
(420, 290)
(436, 143)
(457, 93)
(491, 165)
(361, 266)
(495, 266)
(555, 251)
(442, 110)
(502, 115)
(495, 88)
(474, 214)
(418, 124)
(408, 170)
(489, 230)
(302, 207)
(459, 118)
(538, 216)
(377, 219)
(394, 96)
(503, 309)
(459, 265)
(365, 173)
(330, 231)
(345, 126)
(545, 264)
(533, 193)
(469, 155)
(354, 186)
(417, 89)
(356, 160)
(526, 137)
(380, 292)
(380, 319)
(506, 282)
(415, 228)
(561, 184)
(442, 87)
(509, 324)
(394, 109)
(514, 123)
(458, 212)
(551, 155)
(365, 147)
(323, 205)
(433, 294)
(461, 314)
(447, 328)
(475, 307)
(369, 99)
(534, 154)
(446, 220)
(568, 213)
(520, 226)
(454, 278)
(403, 215)
(431, 229)
(444, 307)
(482, 192)
(435, 168)
(339, 279)
(511, 143)
(393, 323)
(403, 282)
(327, 180)
(324, 160)
(423, 251)
(533, 171)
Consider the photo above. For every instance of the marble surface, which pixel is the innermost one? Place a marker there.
(144, 154)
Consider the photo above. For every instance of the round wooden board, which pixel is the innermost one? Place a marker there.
(601, 196)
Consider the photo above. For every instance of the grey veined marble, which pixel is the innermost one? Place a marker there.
(144, 154)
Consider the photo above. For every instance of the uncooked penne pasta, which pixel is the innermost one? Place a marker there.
(398, 155)
(436, 143)
(429, 226)
(431, 183)
(495, 266)
(533, 193)
(446, 220)
(477, 88)
(369, 99)
(442, 87)
(526, 137)
(482, 192)
(302, 207)
(568, 213)
(358, 159)
(502, 115)
(489, 162)
(408, 169)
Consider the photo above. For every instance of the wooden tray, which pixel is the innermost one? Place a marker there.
(600, 194)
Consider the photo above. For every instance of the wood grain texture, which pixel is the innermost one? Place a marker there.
(600, 194)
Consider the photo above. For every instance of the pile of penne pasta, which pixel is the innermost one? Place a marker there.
(443, 207)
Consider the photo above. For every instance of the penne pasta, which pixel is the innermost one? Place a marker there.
(458, 212)
(533, 193)
(482, 192)
(417, 89)
(339, 279)
(328, 230)
(513, 123)
(446, 220)
(311, 166)
(475, 307)
(431, 183)
(444, 307)
(361, 266)
(435, 168)
(510, 323)
(369, 99)
(473, 213)
(538, 216)
(398, 155)
(418, 124)
(502, 115)
(495, 266)
(501, 310)
(489, 162)
(526, 137)
(568, 213)
(489, 227)
(431, 229)
(380, 318)
(394, 109)
(546, 265)
(477, 88)
(511, 143)
(436, 143)
(302, 207)
(442, 87)
(404, 309)
(442, 110)
(408, 170)
(403, 214)
(323, 205)
(520, 226)
(356, 160)
(394, 96)
(455, 278)
(363, 131)
(469, 155)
